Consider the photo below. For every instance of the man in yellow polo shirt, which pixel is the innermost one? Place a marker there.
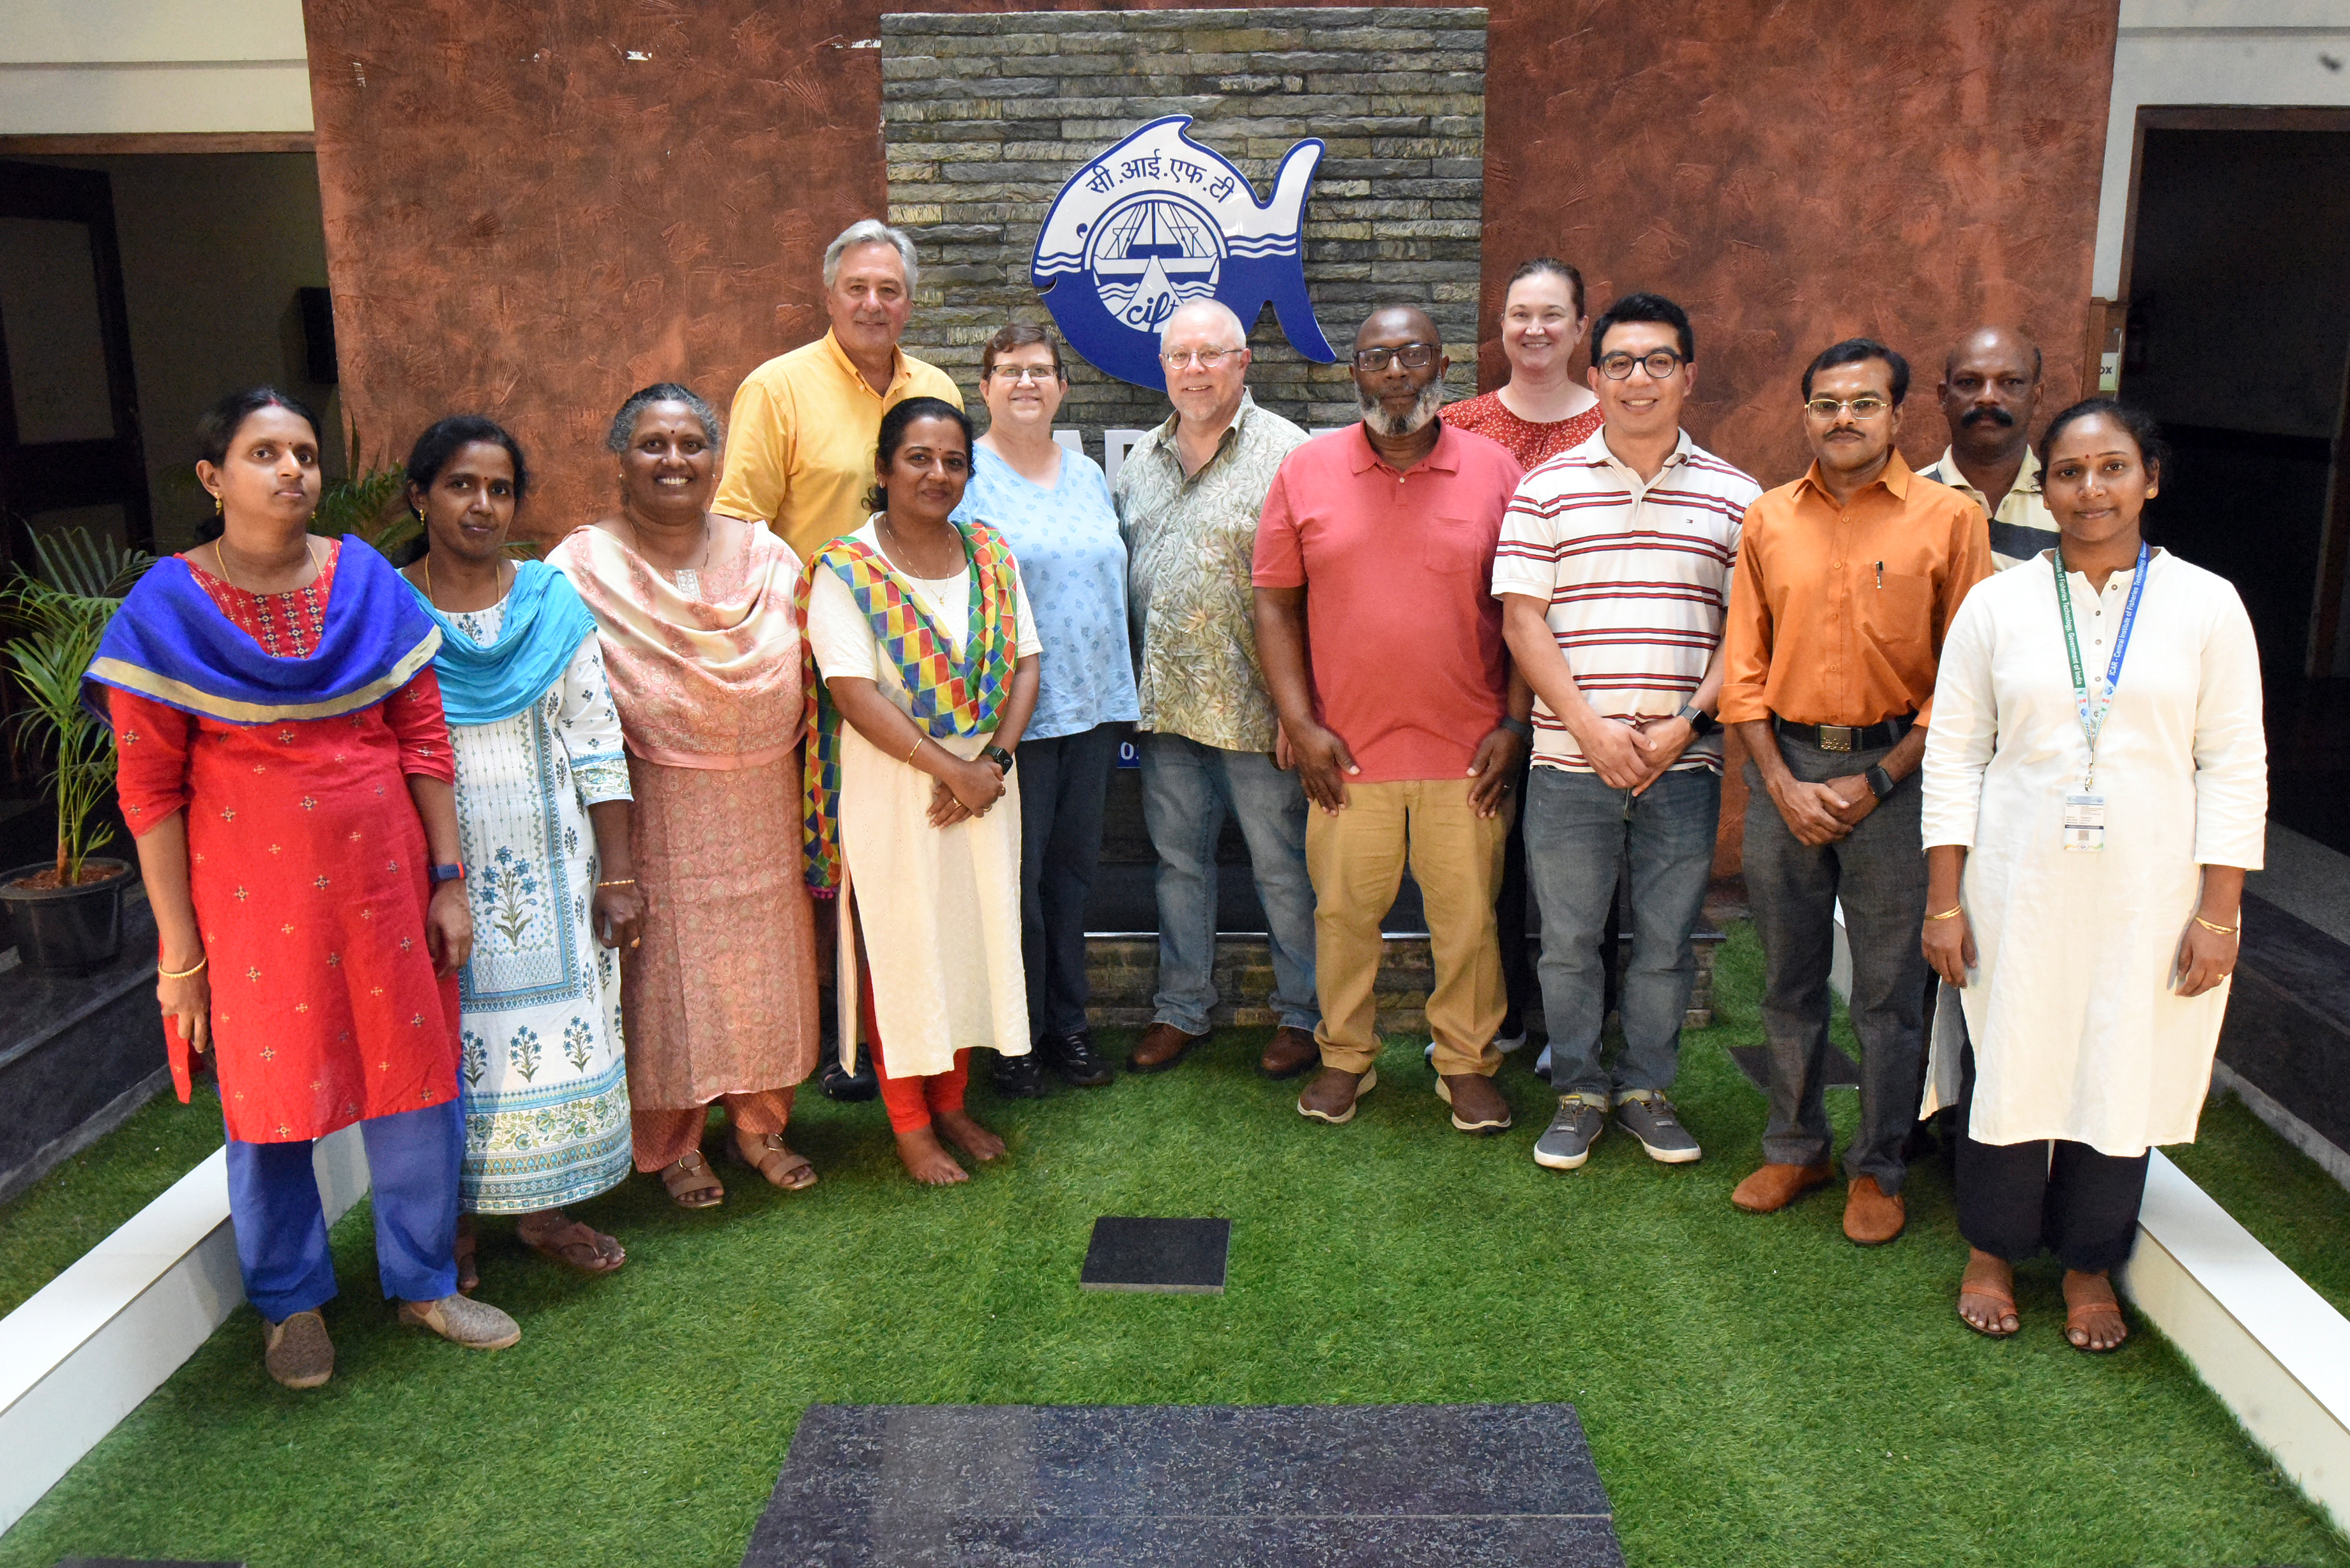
(800, 437)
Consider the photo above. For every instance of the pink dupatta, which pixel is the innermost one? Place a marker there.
(711, 682)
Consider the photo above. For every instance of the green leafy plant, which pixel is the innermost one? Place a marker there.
(60, 611)
(369, 501)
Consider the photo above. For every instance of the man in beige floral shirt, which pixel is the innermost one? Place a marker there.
(1187, 497)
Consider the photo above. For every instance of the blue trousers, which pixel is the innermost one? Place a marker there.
(1187, 788)
(281, 1228)
(1064, 788)
(1579, 833)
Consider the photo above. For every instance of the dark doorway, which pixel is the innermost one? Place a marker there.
(69, 447)
(2239, 338)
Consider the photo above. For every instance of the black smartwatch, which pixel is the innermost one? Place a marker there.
(1701, 723)
(1518, 727)
(999, 756)
(1880, 783)
(440, 874)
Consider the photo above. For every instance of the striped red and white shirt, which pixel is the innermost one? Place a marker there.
(1637, 576)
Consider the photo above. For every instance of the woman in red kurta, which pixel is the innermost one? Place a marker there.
(285, 768)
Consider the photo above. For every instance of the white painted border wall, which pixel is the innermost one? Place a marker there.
(143, 67)
(101, 1336)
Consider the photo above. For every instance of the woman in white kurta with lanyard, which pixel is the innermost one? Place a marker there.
(2095, 788)
(929, 656)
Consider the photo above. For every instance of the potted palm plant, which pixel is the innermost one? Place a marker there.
(68, 912)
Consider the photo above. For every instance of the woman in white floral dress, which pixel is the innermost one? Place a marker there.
(543, 808)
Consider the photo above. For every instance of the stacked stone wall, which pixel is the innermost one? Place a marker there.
(985, 117)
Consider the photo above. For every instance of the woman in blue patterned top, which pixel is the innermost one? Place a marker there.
(1053, 506)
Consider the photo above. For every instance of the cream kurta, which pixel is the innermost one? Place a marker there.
(939, 908)
(2077, 1033)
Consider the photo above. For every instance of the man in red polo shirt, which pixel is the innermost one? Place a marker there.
(1382, 648)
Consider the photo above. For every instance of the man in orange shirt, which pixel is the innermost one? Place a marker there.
(1847, 582)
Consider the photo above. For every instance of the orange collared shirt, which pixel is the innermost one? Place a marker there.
(1837, 613)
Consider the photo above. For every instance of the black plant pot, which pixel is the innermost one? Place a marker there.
(66, 930)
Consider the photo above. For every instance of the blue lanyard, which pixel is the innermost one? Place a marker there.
(2092, 714)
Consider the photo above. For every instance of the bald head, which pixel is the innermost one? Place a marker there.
(1989, 395)
(1209, 323)
(1403, 322)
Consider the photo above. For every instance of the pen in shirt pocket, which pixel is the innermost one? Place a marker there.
(1880, 577)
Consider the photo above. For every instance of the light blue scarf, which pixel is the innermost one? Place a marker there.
(545, 621)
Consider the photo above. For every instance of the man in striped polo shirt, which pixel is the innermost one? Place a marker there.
(1614, 575)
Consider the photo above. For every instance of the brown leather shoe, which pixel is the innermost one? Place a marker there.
(1161, 1046)
(1290, 1051)
(1774, 1187)
(1477, 1105)
(1871, 1216)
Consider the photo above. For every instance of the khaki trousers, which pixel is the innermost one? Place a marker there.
(1356, 859)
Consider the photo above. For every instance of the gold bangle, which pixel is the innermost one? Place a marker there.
(2223, 931)
(1952, 913)
(918, 746)
(162, 973)
(623, 882)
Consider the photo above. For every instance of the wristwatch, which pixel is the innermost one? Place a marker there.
(1518, 727)
(1880, 783)
(1701, 723)
(999, 756)
(440, 874)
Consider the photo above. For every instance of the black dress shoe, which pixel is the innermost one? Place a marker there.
(839, 1083)
(1074, 1057)
(1018, 1077)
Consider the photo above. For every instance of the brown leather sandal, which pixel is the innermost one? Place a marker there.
(783, 1167)
(574, 1245)
(2082, 1310)
(691, 1183)
(1982, 1280)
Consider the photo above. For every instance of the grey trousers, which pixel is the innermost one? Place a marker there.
(1878, 874)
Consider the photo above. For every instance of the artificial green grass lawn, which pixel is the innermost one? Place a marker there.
(1757, 1390)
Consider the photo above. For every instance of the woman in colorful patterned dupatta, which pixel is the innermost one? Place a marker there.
(702, 645)
(929, 653)
(543, 812)
(285, 769)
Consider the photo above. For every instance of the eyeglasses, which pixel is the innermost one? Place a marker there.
(1016, 374)
(1866, 406)
(1658, 362)
(1412, 355)
(1207, 358)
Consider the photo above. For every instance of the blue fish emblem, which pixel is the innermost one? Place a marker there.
(1159, 219)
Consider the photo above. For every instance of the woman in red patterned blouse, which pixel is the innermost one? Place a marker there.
(285, 768)
(1542, 409)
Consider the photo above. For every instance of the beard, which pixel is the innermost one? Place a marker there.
(1395, 426)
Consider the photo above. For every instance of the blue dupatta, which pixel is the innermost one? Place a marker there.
(545, 621)
(170, 642)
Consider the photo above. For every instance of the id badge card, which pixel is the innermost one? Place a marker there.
(2084, 822)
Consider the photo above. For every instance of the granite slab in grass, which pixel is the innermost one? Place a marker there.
(1012, 1486)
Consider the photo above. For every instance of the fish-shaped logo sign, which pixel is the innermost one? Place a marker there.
(1159, 219)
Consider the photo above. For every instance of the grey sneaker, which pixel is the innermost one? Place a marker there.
(1651, 1119)
(297, 1351)
(461, 1320)
(1566, 1142)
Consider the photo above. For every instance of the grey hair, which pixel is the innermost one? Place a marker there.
(624, 423)
(869, 231)
(1232, 318)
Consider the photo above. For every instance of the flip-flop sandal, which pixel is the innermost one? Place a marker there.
(1444, 1092)
(1978, 1282)
(2078, 1316)
(578, 1246)
(1370, 1080)
(783, 1169)
(691, 1183)
(469, 1273)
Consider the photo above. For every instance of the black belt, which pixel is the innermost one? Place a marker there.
(1846, 737)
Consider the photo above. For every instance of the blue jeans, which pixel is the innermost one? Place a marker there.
(281, 1227)
(1579, 832)
(1187, 788)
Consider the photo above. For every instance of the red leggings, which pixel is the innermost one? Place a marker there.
(912, 1102)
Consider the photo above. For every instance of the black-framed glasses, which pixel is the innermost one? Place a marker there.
(1410, 356)
(1866, 406)
(1658, 362)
